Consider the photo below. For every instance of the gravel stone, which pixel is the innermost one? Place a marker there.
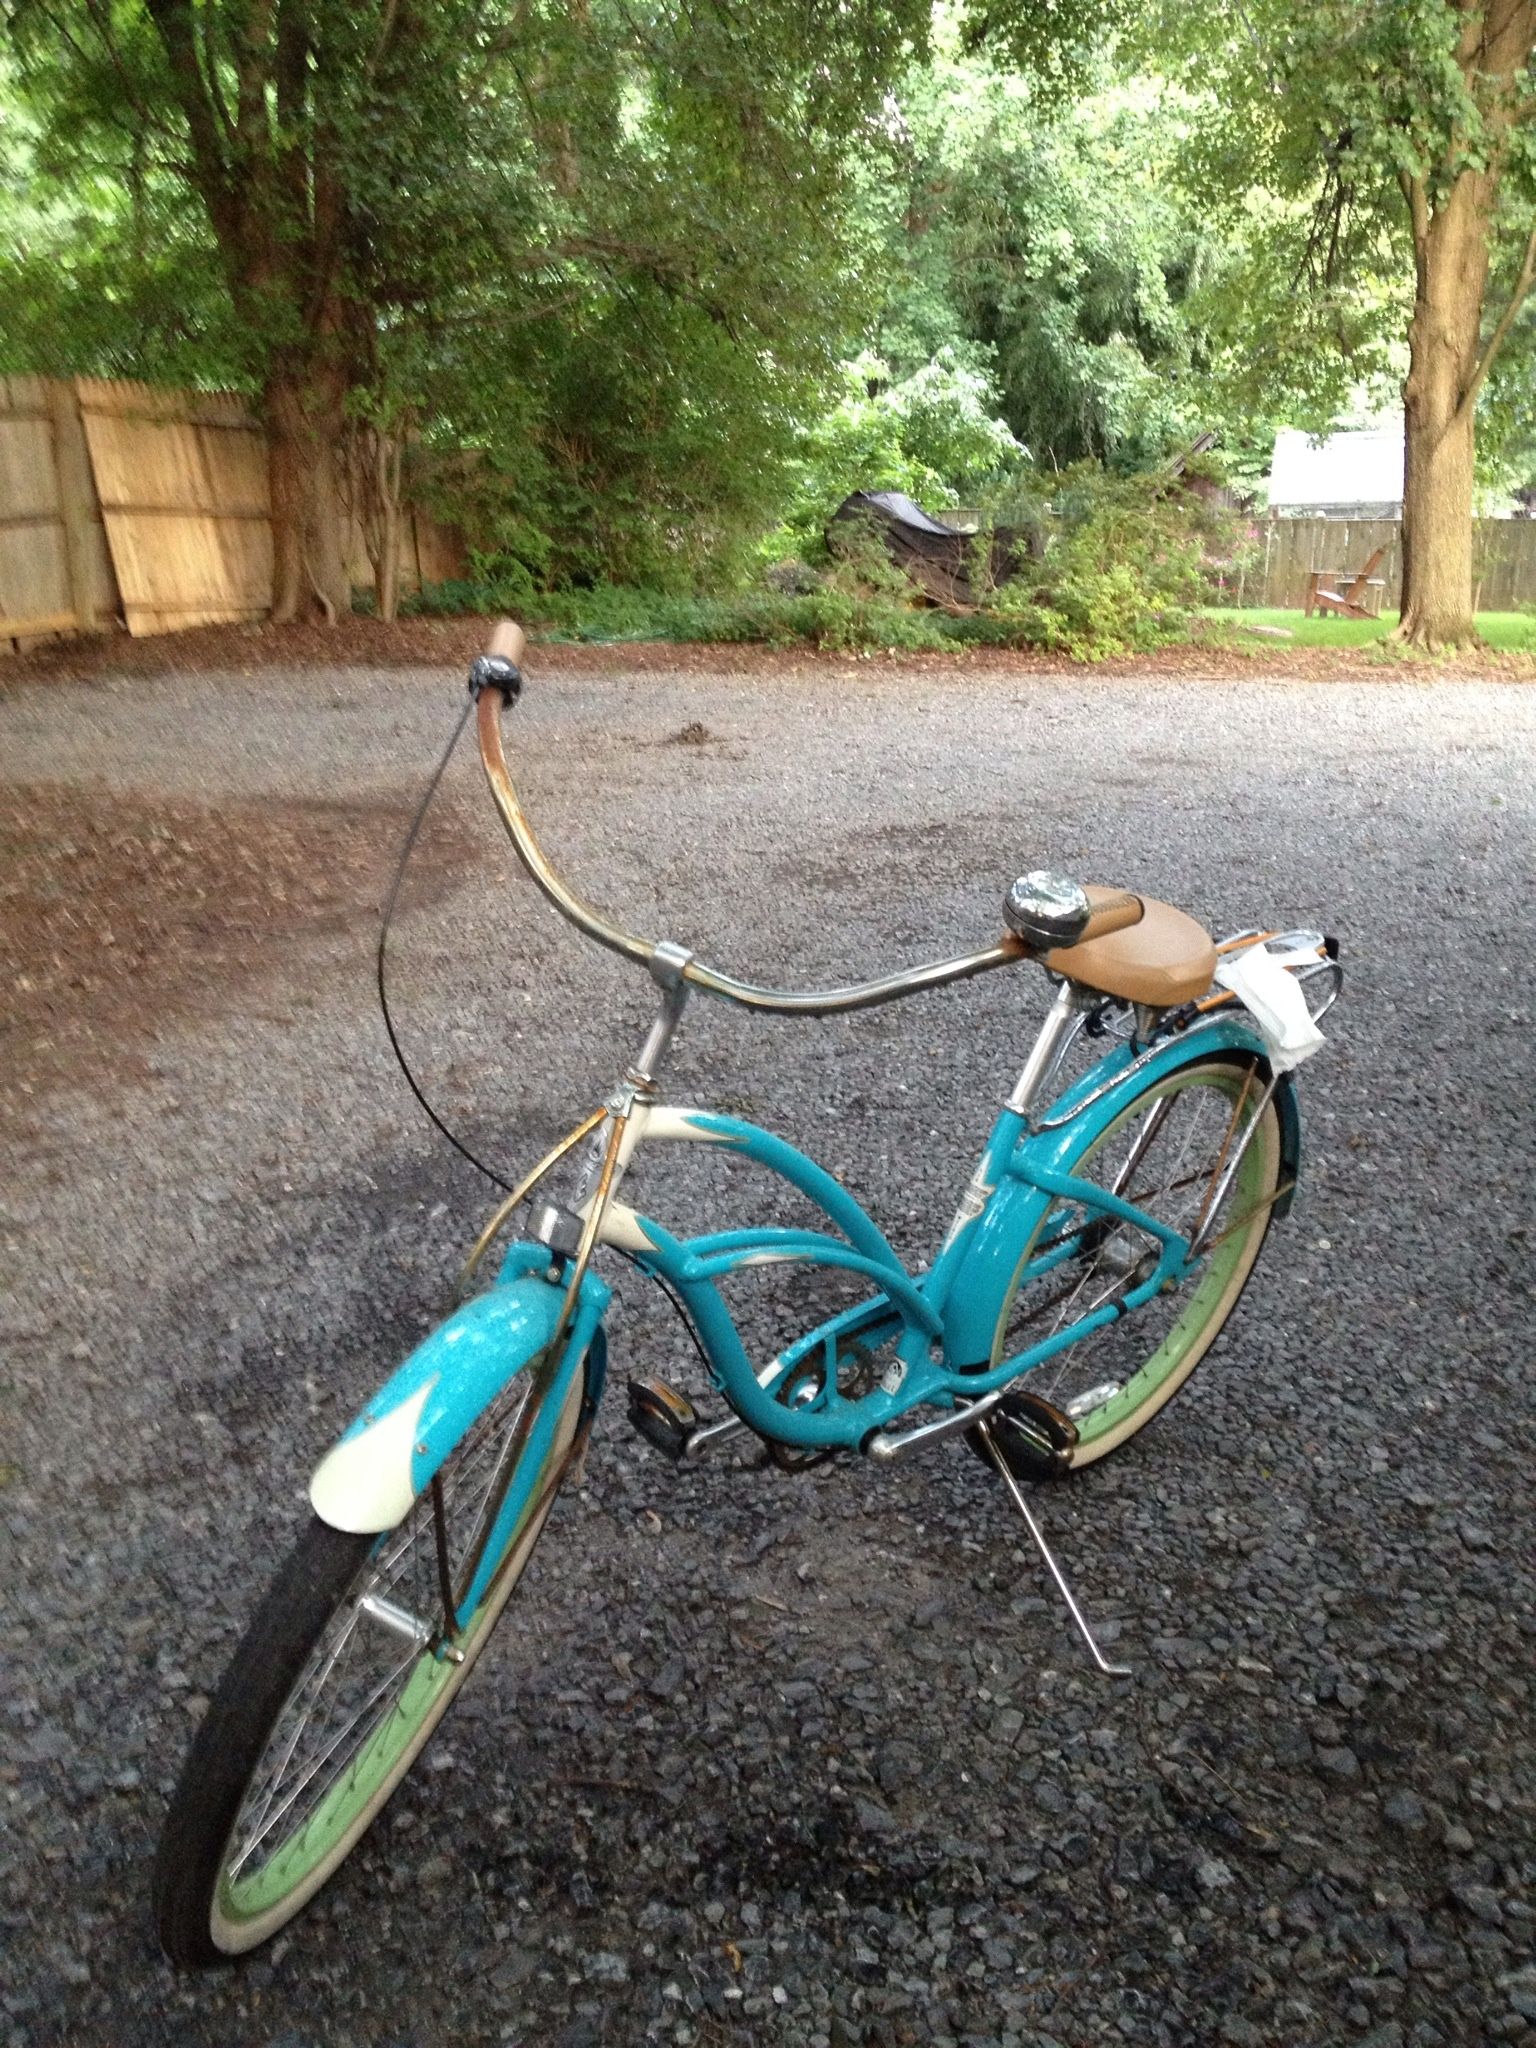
(1337, 1761)
(1480, 1901)
(827, 1733)
(1405, 1810)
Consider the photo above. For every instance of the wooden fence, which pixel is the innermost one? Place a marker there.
(147, 504)
(55, 567)
(182, 478)
(1503, 560)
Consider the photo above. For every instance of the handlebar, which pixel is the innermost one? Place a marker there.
(507, 642)
(506, 646)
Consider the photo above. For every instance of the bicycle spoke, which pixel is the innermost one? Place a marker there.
(1167, 1161)
(274, 1777)
(339, 1703)
(1244, 1220)
(383, 1685)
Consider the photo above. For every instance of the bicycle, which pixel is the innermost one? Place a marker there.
(1100, 1246)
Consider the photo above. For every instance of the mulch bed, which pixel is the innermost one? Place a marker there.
(453, 643)
(118, 912)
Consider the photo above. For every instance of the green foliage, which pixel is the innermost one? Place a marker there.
(840, 615)
(611, 247)
(626, 437)
(1124, 573)
(1053, 246)
(947, 415)
(1307, 128)
(628, 257)
(113, 275)
(934, 434)
(1128, 561)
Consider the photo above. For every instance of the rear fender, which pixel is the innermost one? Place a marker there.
(388, 1455)
(1290, 1143)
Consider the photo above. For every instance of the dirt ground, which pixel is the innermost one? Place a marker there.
(449, 642)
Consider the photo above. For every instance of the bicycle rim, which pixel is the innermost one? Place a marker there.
(1166, 1154)
(368, 1698)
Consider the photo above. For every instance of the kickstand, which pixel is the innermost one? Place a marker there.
(984, 1431)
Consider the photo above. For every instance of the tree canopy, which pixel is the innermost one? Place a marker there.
(1393, 144)
(1054, 242)
(649, 280)
(380, 207)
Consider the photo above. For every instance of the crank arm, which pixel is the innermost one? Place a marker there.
(701, 1441)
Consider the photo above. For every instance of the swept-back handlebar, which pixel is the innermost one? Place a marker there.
(493, 690)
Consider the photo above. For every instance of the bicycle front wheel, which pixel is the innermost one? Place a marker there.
(336, 1687)
(1168, 1154)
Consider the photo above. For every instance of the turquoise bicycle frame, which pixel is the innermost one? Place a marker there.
(939, 1325)
(942, 1321)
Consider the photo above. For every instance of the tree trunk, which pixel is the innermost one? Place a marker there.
(1438, 452)
(388, 456)
(1439, 416)
(1448, 360)
(305, 422)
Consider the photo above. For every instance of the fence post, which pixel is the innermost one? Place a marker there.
(77, 498)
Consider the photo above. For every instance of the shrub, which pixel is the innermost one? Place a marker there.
(1124, 571)
(837, 616)
(1126, 563)
(930, 435)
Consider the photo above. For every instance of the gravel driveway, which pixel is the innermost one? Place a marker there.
(806, 1759)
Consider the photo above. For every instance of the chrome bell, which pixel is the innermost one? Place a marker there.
(1046, 910)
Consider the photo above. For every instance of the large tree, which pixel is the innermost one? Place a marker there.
(1397, 137)
(1052, 239)
(389, 184)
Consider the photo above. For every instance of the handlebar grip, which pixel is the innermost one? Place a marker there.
(507, 642)
(497, 669)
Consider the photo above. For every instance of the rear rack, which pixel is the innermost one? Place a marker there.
(1324, 973)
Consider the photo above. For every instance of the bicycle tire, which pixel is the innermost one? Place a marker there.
(309, 1641)
(1120, 1383)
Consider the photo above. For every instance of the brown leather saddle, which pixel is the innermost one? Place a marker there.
(1163, 959)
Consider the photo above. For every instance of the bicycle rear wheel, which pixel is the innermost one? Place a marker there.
(335, 1689)
(1166, 1153)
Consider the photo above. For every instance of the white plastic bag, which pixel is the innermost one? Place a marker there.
(1275, 1001)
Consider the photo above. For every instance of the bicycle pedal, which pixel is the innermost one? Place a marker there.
(663, 1416)
(1035, 1438)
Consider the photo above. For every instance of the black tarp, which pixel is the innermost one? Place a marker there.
(938, 558)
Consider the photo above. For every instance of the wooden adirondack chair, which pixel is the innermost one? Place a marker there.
(1346, 596)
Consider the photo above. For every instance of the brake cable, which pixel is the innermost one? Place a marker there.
(458, 1144)
(385, 921)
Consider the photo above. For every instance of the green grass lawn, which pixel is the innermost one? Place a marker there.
(1509, 632)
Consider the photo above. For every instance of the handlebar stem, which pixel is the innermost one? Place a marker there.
(672, 962)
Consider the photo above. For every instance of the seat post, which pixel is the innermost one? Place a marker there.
(1062, 1023)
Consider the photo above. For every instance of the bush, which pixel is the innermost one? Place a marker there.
(835, 616)
(1127, 562)
(1124, 571)
(930, 435)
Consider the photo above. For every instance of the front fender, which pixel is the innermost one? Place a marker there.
(389, 1453)
(977, 1293)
